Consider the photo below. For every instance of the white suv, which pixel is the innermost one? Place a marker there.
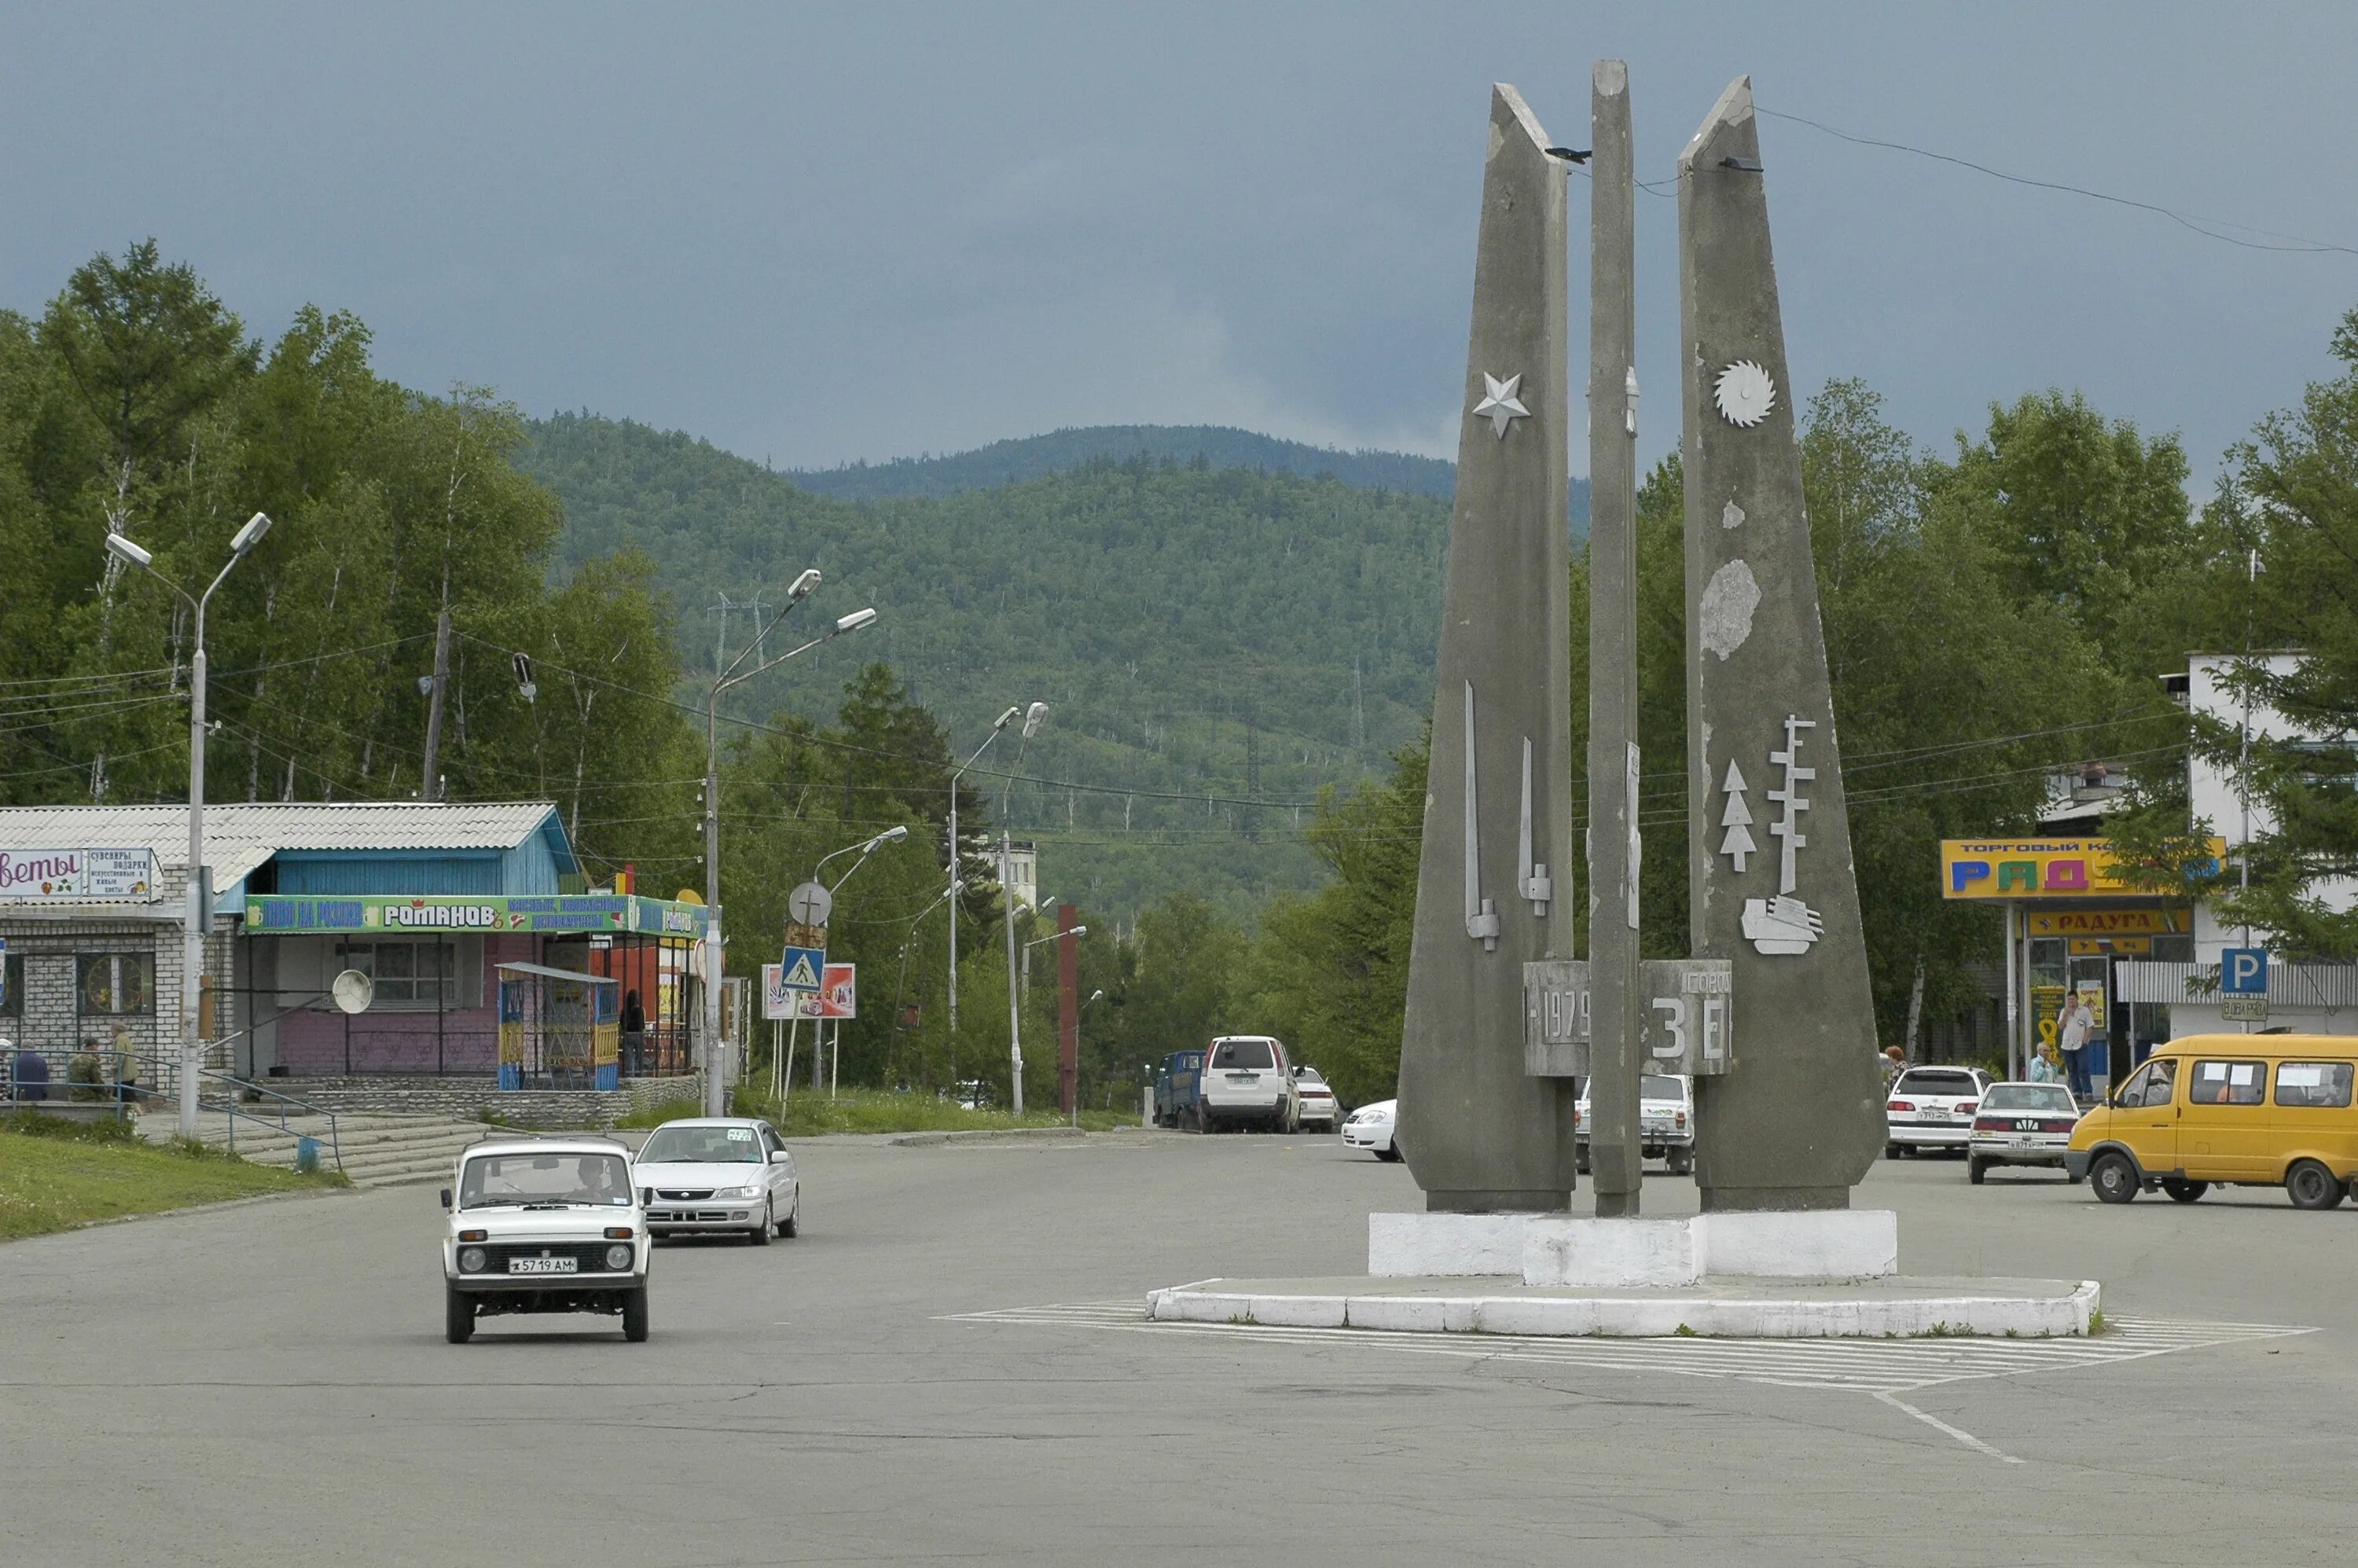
(1248, 1081)
(1931, 1108)
(544, 1225)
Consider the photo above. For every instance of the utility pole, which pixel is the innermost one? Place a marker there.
(1069, 1013)
(431, 788)
(1615, 1151)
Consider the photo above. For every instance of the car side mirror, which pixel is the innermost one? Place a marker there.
(446, 1197)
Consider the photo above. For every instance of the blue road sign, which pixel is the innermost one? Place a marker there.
(802, 969)
(2243, 971)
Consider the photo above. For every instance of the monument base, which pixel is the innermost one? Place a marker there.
(1890, 1307)
(1563, 1249)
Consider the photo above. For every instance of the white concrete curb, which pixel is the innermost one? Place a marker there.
(1863, 1316)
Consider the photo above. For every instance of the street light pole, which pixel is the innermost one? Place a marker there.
(195, 915)
(716, 1050)
(1033, 718)
(1001, 722)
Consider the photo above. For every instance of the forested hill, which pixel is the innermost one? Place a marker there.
(1218, 445)
(1229, 632)
(1215, 445)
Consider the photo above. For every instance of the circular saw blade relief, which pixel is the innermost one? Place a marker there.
(1744, 394)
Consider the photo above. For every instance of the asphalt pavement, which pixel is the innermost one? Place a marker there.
(949, 1365)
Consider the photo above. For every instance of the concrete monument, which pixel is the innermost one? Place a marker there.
(1495, 879)
(1771, 886)
(1615, 1150)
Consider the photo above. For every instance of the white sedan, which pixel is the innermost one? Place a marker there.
(723, 1173)
(2021, 1124)
(1318, 1104)
(1370, 1128)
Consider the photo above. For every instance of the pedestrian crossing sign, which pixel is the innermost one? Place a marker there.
(803, 967)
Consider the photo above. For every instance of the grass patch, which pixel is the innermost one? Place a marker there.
(55, 1179)
(811, 1114)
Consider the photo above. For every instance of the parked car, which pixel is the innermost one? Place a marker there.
(1319, 1104)
(1665, 1121)
(1932, 1108)
(544, 1225)
(2246, 1109)
(1370, 1128)
(1247, 1081)
(2021, 1124)
(1176, 1079)
(729, 1174)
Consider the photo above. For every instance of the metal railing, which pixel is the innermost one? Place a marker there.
(105, 1096)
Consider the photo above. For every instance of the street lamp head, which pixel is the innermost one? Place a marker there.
(1033, 719)
(116, 545)
(855, 620)
(1079, 931)
(250, 535)
(1096, 996)
(1005, 718)
(803, 584)
(890, 836)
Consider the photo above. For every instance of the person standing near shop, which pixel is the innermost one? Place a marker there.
(2072, 1037)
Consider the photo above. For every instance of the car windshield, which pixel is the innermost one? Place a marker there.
(1242, 1054)
(1310, 1076)
(1660, 1085)
(1936, 1082)
(498, 1181)
(702, 1146)
(2031, 1097)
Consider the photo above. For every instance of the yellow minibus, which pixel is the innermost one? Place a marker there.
(2246, 1109)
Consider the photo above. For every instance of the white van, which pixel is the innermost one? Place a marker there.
(1248, 1082)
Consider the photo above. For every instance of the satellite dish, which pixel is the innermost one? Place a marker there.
(352, 990)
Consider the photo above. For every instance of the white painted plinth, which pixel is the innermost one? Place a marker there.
(1561, 1250)
(1565, 1249)
(1801, 1244)
(1445, 1245)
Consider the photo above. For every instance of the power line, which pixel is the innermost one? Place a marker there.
(2300, 243)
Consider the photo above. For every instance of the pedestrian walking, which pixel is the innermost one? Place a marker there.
(126, 1070)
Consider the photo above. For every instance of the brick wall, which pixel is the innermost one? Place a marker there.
(472, 1097)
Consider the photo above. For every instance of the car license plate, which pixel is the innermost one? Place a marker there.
(543, 1265)
(1931, 1116)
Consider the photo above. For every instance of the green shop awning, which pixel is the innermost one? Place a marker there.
(280, 915)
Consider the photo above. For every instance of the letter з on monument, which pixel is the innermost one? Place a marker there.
(1478, 1134)
(1800, 1120)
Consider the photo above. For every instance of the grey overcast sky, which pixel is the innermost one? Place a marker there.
(815, 233)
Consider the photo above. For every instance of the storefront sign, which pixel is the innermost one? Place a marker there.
(2042, 868)
(547, 913)
(2111, 923)
(33, 875)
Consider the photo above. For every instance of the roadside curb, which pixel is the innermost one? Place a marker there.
(991, 1134)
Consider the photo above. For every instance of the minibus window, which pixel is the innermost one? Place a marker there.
(2323, 1086)
(2228, 1083)
(2151, 1087)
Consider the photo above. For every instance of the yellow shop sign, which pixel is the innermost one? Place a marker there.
(2042, 868)
(2111, 922)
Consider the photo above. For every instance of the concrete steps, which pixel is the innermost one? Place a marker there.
(378, 1151)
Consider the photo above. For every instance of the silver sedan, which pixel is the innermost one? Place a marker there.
(724, 1173)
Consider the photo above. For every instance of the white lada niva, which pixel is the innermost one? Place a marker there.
(544, 1225)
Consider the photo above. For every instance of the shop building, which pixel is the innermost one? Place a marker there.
(429, 900)
(2146, 965)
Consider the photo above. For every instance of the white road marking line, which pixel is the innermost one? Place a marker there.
(1960, 1434)
(1877, 1367)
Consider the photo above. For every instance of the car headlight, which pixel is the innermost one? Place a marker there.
(617, 1256)
(470, 1261)
(737, 1194)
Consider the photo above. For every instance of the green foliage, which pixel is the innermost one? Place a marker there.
(808, 1114)
(1206, 637)
(53, 1180)
(138, 405)
(2292, 496)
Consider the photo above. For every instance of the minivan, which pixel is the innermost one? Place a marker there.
(1247, 1082)
(2240, 1110)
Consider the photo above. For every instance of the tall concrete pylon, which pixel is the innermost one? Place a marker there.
(1800, 1120)
(1496, 878)
(1616, 1145)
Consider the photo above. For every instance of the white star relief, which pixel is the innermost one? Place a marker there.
(1501, 404)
